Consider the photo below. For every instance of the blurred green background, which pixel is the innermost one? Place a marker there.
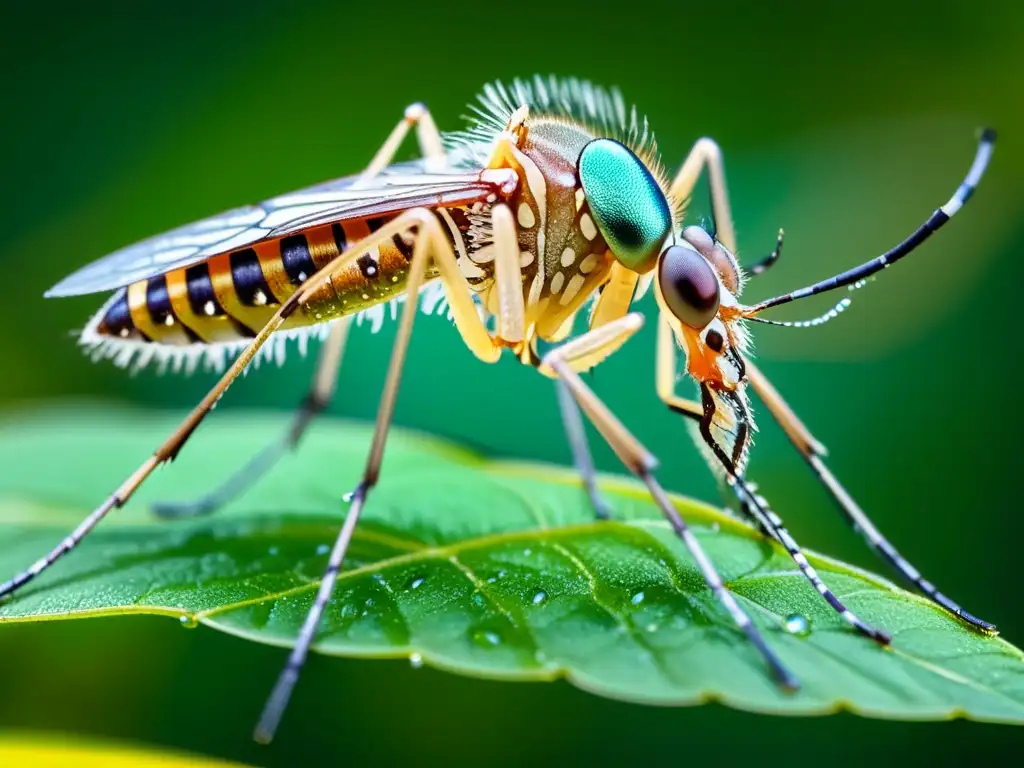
(847, 127)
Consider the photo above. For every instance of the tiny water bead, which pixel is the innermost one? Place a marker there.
(323, 549)
(415, 660)
(501, 574)
(273, 551)
(637, 598)
(486, 638)
(540, 598)
(188, 622)
(796, 624)
(417, 582)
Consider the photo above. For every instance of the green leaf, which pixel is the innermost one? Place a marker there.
(484, 568)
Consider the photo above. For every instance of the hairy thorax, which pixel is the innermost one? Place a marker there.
(562, 255)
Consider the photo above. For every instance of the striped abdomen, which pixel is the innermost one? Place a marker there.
(230, 297)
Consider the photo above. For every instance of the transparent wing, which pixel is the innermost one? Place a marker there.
(399, 187)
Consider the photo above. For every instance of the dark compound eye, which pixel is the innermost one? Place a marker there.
(689, 286)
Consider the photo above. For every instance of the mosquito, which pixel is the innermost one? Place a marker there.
(553, 200)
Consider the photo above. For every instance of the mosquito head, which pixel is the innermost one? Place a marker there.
(697, 280)
(627, 203)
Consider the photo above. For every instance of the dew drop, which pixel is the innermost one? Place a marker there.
(540, 598)
(415, 660)
(273, 551)
(348, 497)
(796, 624)
(486, 638)
(637, 598)
(188, 622)
(417, 582)
(323, 549)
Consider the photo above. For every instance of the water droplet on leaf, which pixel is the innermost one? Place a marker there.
(323, 549)
(796, 624)
(188, 622)
(486, 638)
(540, 597)
(415, 660)
(417, 582)
(637, 598)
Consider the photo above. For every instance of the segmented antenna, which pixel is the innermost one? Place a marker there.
(940, 216)
(833, 313)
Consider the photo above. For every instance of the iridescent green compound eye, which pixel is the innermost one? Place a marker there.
(627, 204)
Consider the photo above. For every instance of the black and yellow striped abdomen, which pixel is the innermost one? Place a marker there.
(230, 297)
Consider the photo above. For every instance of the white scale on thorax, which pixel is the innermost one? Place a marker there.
(538, 188)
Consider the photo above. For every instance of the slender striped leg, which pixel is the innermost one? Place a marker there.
(751, 504)
(812, 452)
(315, 402)
(431, 246)
(463, 311)
(612, 304)
(326, 377)
(639, 460)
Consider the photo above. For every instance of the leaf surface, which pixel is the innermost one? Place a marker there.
(487, 568)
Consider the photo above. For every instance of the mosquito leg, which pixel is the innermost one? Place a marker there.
(758, 507)
(429, 139)
(612, 304)
(316, 400)
(165, 453)
(582, 459)
(427, 135)
(638, 460)
(813, 451)
(751, 505)
(706, 152)
(431, 245)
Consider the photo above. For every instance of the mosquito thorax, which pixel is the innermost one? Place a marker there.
(627, 203)
(563, 253)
